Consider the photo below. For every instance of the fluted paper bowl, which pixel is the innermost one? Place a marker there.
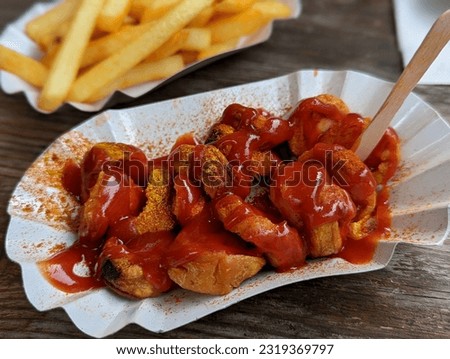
(43, 215)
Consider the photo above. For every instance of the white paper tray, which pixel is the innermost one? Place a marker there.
(15, 38)
(420, 196)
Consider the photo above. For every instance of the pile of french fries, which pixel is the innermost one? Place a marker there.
(92, 48)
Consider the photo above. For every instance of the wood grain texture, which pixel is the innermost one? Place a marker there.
(410, 298)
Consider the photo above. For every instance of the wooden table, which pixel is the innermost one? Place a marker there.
(408, 299)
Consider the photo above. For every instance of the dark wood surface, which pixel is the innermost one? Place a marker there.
(408, 299)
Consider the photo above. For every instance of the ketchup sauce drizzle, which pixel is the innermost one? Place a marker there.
(205, 233)
(362, 251)
(73, 270)
(76, 268)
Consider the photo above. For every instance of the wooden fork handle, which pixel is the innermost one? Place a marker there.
(432, 45)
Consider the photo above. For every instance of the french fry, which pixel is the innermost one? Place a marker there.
(203, 17)
(68, 59)
(217, 49)
(124, 60)
(99, 49)
(113, 14)
(54, 46)
(189, 56)
(151, 71)
(28, 69)
(144, 72)
(272, 9)
(241, 24)
(248, 21)
(233, 6)
(49, 56)
(197, 39)
(129, 20)
(43, 29)
(157, 8)
(50, 40)
(138, 7)
(170, 47)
